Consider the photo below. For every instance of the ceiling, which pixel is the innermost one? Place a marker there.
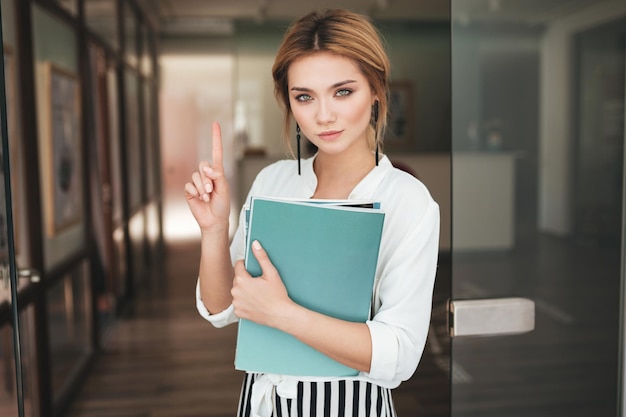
(262, 10)
(218, 16)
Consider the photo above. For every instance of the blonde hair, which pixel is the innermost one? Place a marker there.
(344, 33)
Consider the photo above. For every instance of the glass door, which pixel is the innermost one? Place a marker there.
(12, 398)
(18, 374)
(537, 191)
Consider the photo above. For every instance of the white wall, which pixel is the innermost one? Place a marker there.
(196, 89)
(259, 117)
(263, 117)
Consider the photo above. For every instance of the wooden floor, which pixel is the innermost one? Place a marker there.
(164, 360)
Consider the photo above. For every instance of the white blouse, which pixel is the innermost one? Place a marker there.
(405, 272)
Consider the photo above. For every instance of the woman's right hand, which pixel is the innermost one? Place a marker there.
(207, 194)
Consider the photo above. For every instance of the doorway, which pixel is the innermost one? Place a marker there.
(537, 184)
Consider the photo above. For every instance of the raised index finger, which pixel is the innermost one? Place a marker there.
(217, 146)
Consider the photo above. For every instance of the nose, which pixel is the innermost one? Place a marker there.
(325, 112)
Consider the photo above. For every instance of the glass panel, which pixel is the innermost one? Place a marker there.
(120, 268)
(152, 235)
(114, 143)
(8, 23)
(69, 326)
(146, 50)
(101, 18)
(11, 74)
(150, 148)
(538, 136)
(16, 372)
(8, 389)
(130, 34)
(133, 140)
(100, 188)
(137, 233)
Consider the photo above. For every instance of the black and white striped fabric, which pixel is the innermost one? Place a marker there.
(339, 398)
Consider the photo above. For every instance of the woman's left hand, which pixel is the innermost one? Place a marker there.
(260, 299)
(264, 300)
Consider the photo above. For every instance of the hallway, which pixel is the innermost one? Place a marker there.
(100, 134)
(162, 359)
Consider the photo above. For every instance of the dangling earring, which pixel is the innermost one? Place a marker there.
(298, 145)
(376, 129)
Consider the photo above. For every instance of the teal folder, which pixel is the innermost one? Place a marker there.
(326, 255)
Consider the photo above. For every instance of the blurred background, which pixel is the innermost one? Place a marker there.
(510, 111)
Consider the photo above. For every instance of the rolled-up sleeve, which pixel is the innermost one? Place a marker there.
(403, 294)
(384, 351)
(220, 319)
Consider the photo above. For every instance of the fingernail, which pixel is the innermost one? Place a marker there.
(208, 187)
(256, 245)
(208, 170)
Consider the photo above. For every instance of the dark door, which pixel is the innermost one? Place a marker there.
(537, 198)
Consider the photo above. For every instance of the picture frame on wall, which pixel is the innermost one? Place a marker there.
(400, 125)
(62, 148)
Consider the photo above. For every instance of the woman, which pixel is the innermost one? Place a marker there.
(331, 76)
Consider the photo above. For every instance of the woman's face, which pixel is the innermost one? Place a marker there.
(331, 100)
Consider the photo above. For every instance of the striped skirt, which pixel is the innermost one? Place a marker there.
(339, 398)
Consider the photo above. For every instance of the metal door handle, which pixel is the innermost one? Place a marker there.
(488, 317)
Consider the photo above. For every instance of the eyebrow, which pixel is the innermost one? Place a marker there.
(339, 84)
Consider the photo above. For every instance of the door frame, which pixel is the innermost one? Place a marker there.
(11, 267)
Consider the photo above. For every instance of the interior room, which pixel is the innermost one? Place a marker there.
(510, 112)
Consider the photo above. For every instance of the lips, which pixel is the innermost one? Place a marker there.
(330, 135)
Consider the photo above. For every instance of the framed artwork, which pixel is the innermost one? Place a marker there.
(62, 148)
(400, 121)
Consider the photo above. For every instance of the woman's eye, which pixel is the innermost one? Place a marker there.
(303, 97)
(343, 92)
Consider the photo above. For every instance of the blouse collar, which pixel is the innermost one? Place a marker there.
(363, 190)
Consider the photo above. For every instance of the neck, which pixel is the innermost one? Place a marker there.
(337, 175)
